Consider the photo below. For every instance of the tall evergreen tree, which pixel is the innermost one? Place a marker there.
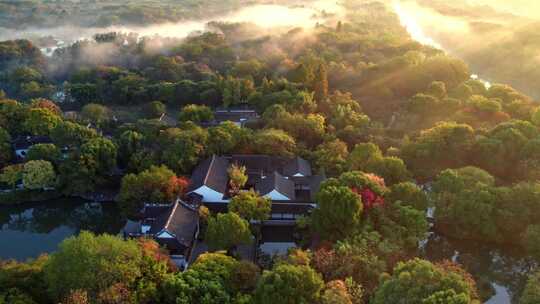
(320, 85)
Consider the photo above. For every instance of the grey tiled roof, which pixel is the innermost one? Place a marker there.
(297, 165)
(277, 182)
(182, 222)
(212, 173)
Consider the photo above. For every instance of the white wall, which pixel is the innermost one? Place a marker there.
(145, 228)
(21, 153)
(210, 195)
(276, 196)
(164, 235)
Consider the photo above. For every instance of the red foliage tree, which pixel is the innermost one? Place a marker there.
(369, 198)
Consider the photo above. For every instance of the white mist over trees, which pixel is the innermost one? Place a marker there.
(498, 39)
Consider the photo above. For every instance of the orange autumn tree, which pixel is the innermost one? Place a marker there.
(46, 104)
(176, 187)
(154, 185)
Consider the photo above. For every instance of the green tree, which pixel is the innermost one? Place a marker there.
(289, 284)
(336, 293)
(250, 206)
(424, 105)
(15, 296)
(419, 281)
(532, 241)
(531, 294)
(129, 143)
(102, 152)
(244, 276)
(196, 113)
(183, 148)
(402, 225)
(48, 152)
(466, 203)
(207, 281)
(535, 118)
(92, 263)
(236, 90)
(70, 134)
(41, 121)
(392, 169)
(226, 137)
(332, 156)
(320, 86)
(78, 175)
(23, 278)
(6, 152)
(446, 145)
(11, 175)
(227, 230)
(12, 113)
(38, 174)
(437, 89)
(237, 177)
(154, 109)
(88, 167)
(274, 142)
(97, 114)
(338, 212)
(364, 154)
(150, 185)
(409, 194)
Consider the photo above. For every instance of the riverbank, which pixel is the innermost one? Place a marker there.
(32, 196)
(28, 196)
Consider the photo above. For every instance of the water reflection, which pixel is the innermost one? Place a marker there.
(31, 229)
(500, 272)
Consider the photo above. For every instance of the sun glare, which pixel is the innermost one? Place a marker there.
(414, 29)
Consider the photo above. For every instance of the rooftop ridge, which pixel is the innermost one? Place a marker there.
(209, 169)
(171, 215)
(277, 176)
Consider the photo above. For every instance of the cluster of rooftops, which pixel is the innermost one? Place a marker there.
(289, 183)
(280, 179)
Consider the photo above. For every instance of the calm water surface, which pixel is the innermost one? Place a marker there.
(500, 272)
(28, 230)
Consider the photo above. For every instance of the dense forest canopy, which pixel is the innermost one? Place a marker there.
(397, 127)
(32, 13)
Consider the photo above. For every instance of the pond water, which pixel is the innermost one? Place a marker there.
(28, 230)
(500, 272)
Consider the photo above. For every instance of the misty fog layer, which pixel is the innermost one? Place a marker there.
(500, 40)
(262, 15)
